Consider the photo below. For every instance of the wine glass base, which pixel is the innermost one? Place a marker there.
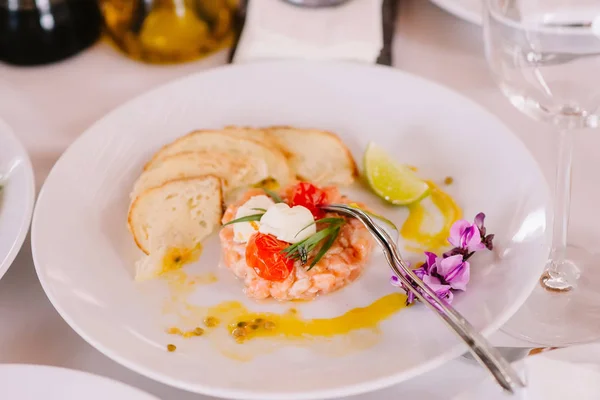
(565, 312)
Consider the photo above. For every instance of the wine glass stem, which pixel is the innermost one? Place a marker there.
(562, 195)
(557, 276)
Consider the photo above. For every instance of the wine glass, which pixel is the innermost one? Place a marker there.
(545, 56)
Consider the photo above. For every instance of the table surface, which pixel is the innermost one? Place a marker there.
(428, 42)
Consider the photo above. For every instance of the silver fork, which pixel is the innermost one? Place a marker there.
(479, 347)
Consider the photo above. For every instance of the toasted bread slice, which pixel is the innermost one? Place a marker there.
(234, 171)
(316, 156)
(180, 212)
(247, 132)
(235, 145)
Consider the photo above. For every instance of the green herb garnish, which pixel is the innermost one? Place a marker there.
(253, 217)
(322, 220)
(325, 247)
(276, 198)
(328, 235)
(259, 209)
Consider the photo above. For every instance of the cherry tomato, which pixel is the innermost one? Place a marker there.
(310, 196)
(263, 254)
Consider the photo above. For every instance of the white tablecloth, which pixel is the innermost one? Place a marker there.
(49, 107)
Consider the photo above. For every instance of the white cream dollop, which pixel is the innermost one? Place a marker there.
(287, 224)
(243, 230)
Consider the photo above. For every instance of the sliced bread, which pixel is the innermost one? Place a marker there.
(233, 144)
(234, 171)
(180, 212)
(316, 156)
(246, 132)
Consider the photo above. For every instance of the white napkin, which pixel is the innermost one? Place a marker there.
(277, 29)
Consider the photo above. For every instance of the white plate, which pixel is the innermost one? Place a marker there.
(84, 255)
(568, 373)
(469, 10)
(17, 197)
(37, 382)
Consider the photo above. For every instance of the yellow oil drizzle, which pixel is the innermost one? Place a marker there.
(181, 285)
(413, 227)
(354, 331)
(291, 325)
(176, 257)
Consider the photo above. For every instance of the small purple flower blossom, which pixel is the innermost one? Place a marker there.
(441, 290)
(465, 235)
(479, 219)
(487, 240)
(452, 271)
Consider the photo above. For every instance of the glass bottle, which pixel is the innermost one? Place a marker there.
(34, 32)
(169, 31)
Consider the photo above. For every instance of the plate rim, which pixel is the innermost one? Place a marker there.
(27, 216)
(79, 372)
(348, 390)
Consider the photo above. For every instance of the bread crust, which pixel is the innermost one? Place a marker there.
(135, 203)
(353, 165)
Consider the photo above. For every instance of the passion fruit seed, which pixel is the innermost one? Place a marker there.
(269, 325)
(258, 320)
(188, 334)
(177, 259)
(238, 333)
(448, 180)
(171, 347)
(254, 327)
(174, 331)
(211, 322)
(242, 324)
(198, 331)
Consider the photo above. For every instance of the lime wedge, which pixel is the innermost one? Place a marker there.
(390, 180)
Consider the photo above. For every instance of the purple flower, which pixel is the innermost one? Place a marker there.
(441, 290)
(465, 235)
(487, 240)
(454, 275)
(454, 271)
(429, 264)
(479, 219)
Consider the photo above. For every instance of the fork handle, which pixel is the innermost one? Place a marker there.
(482, 350)
(489, 357)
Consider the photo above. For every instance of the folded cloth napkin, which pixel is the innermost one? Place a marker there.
(353, 31)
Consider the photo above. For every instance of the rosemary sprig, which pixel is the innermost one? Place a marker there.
(328, 235)
(276, 198)
(325, 247)
(253, 217)
(308, 244)
(322, 220)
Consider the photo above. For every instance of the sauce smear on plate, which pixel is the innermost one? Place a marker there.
(414, 228)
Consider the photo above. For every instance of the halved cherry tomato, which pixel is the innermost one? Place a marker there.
(310, 196)
(263, 254)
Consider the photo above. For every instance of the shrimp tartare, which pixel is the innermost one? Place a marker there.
(284, 246)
